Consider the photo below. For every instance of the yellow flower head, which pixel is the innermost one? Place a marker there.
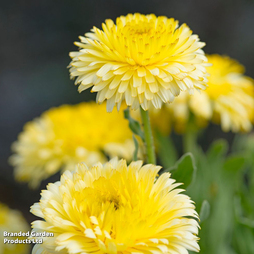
(113, 209)
(12, 221)
(66, 135)
(229, 98)
(142, 59)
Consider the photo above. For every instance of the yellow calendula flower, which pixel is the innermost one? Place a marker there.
(142, 59)
(115, 208)
(66, 135)
(12, 221)
(228, 100)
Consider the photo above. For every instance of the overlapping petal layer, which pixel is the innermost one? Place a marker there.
(115, 208)
(229, 99)
(64, 136)
(142, 59)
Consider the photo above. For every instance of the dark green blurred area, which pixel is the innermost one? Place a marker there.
(36, 37)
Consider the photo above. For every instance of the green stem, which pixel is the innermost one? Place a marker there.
(190, 141)
(150, 153)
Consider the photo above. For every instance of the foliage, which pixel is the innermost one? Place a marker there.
(222, 186)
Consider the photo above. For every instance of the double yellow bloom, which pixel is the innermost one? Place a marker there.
(143, 60)
(67, 135)
(115, 208)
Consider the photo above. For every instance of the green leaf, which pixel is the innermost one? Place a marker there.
(133, 124)
(234, 163)
(135, 154)
(184, 170)
(217, 150)
(166, 150)
(243, 239)
(204, 211)
(239, 214)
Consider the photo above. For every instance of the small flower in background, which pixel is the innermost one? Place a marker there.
(228, 100)
(142, 59)
(115, 208)
(66, 135)
(12, 221)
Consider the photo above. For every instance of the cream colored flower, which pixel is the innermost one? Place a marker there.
(142, 59)
(115, 208)
(12, 221)
(229, 99)
(66, 135)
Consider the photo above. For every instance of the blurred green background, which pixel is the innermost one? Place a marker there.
(36, 37)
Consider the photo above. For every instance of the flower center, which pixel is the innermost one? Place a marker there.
(112, 199)
(78, 126)
(102, 192)
(142, 28)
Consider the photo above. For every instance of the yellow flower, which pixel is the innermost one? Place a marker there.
(142, 59)
(116, 209)
(66, 135)
(228, 100)
(12, 221)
